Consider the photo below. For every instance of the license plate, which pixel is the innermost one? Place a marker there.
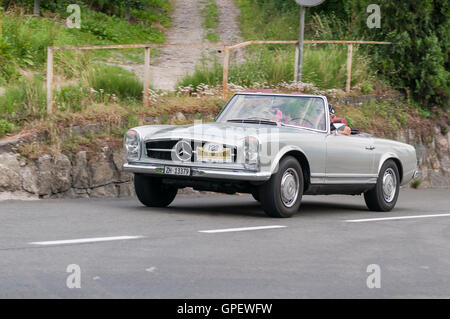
(175, 170)
(222, 156)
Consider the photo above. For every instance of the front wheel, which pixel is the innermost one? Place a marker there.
(282, 194)
(384, 196)
(152, 192)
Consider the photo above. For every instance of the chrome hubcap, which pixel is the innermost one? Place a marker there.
(289, 187)
(389, 185)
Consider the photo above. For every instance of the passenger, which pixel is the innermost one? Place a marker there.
(346, 131)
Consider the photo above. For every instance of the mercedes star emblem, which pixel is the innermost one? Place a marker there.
(183, 151)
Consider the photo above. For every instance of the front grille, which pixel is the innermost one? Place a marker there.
(162, 149)
(166, 144)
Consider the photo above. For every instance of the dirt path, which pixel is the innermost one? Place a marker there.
(228, 22)
(174, 62)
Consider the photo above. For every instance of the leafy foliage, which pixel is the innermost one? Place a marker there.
(418, 59)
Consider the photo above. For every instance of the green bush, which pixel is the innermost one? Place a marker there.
(418, 59)
(366, 88)
(115, 80)
(24, 99)
(5, 127)
(71, 98)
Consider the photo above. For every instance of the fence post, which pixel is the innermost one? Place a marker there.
(297, 57)
(226, 64)
(49, 80)
(349, 67)
(146, 76)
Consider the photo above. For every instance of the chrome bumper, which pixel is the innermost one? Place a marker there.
(238, 175)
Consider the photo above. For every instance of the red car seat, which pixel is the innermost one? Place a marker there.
(339, 120)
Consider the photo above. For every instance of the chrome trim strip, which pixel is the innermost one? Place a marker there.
(160, 149)
(320, 178)
(339, 175)
(155, 169)
(153, 161)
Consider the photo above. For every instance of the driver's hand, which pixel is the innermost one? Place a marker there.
(346, 131)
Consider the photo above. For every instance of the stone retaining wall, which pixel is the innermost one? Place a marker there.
(83, 176)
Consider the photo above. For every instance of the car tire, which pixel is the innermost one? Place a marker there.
(383, 197)
(152, 192)
(281, 196)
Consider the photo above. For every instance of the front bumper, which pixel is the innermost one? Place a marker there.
(207, 173)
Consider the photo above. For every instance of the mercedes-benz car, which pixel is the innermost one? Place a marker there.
(277, 147)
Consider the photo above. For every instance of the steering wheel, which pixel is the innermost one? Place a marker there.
(306, 121)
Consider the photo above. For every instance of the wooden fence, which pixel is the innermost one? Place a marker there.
(226, 49)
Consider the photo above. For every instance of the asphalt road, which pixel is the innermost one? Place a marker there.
(317, 254)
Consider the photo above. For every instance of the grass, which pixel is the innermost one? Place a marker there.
(416, 183)
(325, 67)
(24, 39)
(115, 80)
(210, 15)
(23, 100)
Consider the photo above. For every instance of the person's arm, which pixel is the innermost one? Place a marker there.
(347, 131)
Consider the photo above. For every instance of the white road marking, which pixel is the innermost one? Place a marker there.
(226, 230)
(395, 218)
(83, 240)
(151, 269)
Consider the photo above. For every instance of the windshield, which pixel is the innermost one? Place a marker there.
(303, 111)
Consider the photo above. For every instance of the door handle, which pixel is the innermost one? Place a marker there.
(370, 148)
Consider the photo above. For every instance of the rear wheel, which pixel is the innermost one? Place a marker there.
(152, 192)
(384, 196)
(282, 194)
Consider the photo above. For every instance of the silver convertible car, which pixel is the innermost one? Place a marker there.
(276, 147)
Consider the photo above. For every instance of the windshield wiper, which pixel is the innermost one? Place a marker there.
(256, 120)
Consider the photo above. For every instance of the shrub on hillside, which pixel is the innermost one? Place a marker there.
(115, 80)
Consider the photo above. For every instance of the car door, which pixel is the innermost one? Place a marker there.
(349, 159)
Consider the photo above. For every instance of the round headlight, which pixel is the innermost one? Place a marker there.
(132, 145)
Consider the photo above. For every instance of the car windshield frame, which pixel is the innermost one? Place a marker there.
(230, 103)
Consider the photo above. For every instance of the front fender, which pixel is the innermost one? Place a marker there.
(283, 152)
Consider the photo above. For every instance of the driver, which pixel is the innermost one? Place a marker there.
(346, 131)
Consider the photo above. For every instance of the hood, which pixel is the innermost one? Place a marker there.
(224, 133)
